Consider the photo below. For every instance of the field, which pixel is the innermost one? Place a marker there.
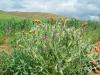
(48, 45)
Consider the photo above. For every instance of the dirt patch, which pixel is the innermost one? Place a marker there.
(5, 46)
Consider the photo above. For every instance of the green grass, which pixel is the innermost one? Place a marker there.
(51, 50)
(11, 24)
(47, 48)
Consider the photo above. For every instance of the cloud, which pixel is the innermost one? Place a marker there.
(94, 18)
(83, 9)
(4, 5)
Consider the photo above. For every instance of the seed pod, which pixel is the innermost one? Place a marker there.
(93, 62)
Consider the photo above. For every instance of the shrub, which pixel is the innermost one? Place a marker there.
(50, 50)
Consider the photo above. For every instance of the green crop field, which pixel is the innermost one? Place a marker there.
(47, 44)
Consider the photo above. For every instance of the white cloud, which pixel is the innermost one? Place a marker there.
(4, 5)
(95, 18)
(71, 8)
(69, 5)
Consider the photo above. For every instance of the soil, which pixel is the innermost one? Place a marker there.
(5, 46)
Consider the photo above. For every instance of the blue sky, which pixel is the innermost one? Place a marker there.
(85, 9)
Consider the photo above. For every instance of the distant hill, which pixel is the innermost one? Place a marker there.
(31, 14)
(28, 14)
(2, 12)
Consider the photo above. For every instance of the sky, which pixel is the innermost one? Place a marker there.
(83, 9)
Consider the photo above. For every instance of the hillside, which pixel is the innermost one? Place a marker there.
(5, 14)
(47, 46)
(31, 14)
